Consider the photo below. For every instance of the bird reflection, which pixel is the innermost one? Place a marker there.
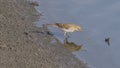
(71, 45)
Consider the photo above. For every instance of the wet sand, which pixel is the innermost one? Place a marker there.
(23, 45)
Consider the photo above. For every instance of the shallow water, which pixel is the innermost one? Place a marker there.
(98, 18)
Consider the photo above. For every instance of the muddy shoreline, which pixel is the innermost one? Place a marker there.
(23, 45)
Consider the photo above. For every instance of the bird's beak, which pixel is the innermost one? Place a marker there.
(80, 29)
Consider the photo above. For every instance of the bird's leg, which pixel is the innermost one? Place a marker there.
(66, 35)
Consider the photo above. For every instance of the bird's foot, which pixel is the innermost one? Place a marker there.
(67, 36)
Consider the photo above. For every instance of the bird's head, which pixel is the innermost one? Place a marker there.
(79, 28)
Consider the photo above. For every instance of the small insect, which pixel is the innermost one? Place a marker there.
(107, 40)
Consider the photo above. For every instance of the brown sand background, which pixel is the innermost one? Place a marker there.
(23, 45)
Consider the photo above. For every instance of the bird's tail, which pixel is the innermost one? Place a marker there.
(51, 25)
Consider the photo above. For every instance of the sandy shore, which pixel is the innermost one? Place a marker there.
(23, 45)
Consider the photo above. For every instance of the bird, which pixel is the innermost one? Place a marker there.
(66, 27)
(107, 40)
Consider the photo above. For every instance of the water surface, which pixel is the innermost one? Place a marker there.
(98, 18)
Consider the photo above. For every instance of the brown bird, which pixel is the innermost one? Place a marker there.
(66, 27)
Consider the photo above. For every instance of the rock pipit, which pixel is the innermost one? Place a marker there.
(66, 27)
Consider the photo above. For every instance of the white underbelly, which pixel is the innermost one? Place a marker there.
(68, 30)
